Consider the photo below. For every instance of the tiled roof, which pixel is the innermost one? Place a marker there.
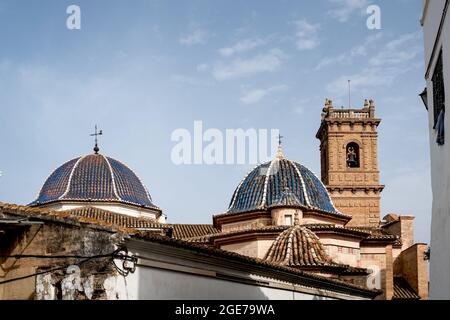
(379, 234)
(184, 231)
(220, 234)
(316, 212)
(313, 227)
(338, 229)
(297, 247)
(113, 219)
(267, 185)
(42, 214)
(117, 219)
(97, 220)
(94, 178)
(402, 290)
(287, 199)
(200, 248)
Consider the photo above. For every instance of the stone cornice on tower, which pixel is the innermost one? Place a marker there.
(331, 115)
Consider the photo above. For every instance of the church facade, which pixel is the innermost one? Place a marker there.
(287, 234)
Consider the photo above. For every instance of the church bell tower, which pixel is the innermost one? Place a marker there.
(349, 161)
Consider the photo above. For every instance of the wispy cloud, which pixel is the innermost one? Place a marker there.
(242, 46)
(256, 95)
(398, 51)
(267, 62)
(202, 67)
(298, 110)
(347, 57)
(342, 10)
(367, 78)
(306, 35)
(198, 36)
(394, 59)
(184, 79)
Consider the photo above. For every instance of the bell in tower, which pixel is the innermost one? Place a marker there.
(352, 155)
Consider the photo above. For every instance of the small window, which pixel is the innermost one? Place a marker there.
(352, 154)
(288, 220)
(439, 100)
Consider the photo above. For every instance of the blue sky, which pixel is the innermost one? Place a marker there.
(142, 69)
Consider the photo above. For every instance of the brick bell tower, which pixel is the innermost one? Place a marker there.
(349, 161)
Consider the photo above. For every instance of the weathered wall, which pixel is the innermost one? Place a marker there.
(404, 228)
(342, 249)
(412, 265)
(83, 281)
(379, 260)
(247, 224)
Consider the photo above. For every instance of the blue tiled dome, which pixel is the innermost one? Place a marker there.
(280, 182)
(94, 178)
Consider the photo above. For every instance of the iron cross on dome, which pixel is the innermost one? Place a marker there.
(96, 134)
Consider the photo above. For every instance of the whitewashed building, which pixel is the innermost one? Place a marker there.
(436, 28)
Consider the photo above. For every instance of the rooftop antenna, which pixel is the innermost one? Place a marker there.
(96, 134)
(349, 95)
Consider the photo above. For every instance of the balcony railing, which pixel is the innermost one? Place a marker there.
(350, 114)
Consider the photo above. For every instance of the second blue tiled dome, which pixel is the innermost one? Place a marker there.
(280, 182)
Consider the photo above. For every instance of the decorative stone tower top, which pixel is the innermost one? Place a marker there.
(349, 160)
(349, 115)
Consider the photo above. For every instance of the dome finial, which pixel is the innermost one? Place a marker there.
(96, 134)
(280, 147)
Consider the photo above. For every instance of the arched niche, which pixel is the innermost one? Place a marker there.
(353, 155)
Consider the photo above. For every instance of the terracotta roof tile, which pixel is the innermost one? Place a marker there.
(336, 215)
(402, 290)
(313, 227)
(379, 234)
(220, 234)
(338, 229)
(200, 248)
(297, 247)
(185, 231)
(61, 217)
(116, 218)
(112, 219)
(98, 220)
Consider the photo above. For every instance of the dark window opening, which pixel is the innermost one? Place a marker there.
(324, 164)
(438, 100)
(352, 152)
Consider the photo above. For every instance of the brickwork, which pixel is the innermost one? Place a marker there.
(404, 228)
(412, 265)
(376, 259)
(355, 189)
